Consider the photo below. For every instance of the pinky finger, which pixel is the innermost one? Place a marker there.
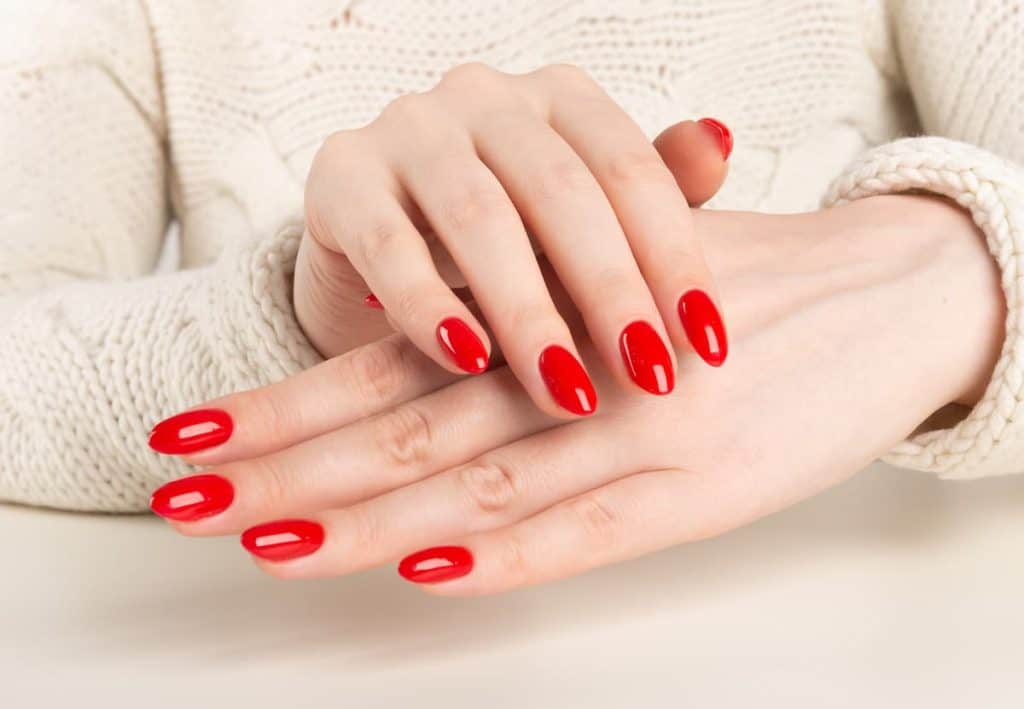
(629, 517)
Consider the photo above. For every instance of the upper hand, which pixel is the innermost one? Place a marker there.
(445, 190)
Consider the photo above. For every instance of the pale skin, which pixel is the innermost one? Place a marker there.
(460, 186)
(841, 346)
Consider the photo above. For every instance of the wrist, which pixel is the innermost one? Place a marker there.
(934, 271)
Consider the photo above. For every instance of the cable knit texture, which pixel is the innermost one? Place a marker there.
(119, 115)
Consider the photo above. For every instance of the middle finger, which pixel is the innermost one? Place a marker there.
(358, 461)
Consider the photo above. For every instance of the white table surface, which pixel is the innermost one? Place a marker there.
(894, 590)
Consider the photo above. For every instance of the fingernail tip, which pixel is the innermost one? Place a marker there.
(723, 134)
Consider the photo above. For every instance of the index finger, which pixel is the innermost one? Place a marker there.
(357, 384)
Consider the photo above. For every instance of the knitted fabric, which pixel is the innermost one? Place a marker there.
(119, 115)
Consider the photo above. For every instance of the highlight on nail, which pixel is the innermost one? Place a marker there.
(192, 498)
(436, 564)
(284, 539)
(191, 431)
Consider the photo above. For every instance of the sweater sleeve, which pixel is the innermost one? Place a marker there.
(962, 64)
(93, 350)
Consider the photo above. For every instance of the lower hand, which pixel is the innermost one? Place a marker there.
(843, 345)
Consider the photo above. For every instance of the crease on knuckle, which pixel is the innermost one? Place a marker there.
(492, 487)
(378, 243)
(363, 530)
(513, 561)
(600, 523)
(276, 416)
(405, 435)
(375, 373)
(469, 208)
(270, 482)
(645, 166)
(559, 180)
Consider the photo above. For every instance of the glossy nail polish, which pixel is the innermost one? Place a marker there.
(567, 381)
(703, 325)
(191, 431)
(371, 301)
(436, 564)
(647, 359)
(284, 539)
(192, 498)
(462, 345)
(721, 133)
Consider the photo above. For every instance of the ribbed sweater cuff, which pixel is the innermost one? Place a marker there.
(990, 440)
(253, 300)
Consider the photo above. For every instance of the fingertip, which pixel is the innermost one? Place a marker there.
(695, 156)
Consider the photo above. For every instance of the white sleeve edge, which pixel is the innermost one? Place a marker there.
(992, 190)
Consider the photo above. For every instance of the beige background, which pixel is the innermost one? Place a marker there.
(895, 590)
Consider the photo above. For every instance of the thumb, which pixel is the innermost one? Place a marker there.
(696, 152)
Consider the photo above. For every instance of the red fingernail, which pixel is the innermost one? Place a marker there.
(721, 133)
(191, 431)
(192, 498)
(647, 358)
(703, 325)
(284, 539)
(436, 564)
(462, 345)
(567, 381)
(371, 301)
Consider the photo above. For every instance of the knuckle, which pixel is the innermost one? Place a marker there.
(405, 435)
(564, 73)
(636, 165)
(559, 179)
(418, 304)
(339, 143)
(468, 209)
(270, 484)
(472, 75)
(512, 560)
(490, 486)
(363, 528)
(378, 243)
(599, 522)
(411, 108)
(375, 373)
(275, 416)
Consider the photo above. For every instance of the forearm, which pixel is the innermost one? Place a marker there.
(88, 368)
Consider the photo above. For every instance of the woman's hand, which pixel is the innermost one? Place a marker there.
(851, 326)
(445, 190)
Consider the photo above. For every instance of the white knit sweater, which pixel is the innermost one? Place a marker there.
(118, 114)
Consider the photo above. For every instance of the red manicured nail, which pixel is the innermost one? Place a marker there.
(647, 358)
(721, 133)
(703, 325)
(191, 431)
(567, 381)
(436, 564)
(462, 345)
(284, 539)
(371, 301)
(192, 498)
